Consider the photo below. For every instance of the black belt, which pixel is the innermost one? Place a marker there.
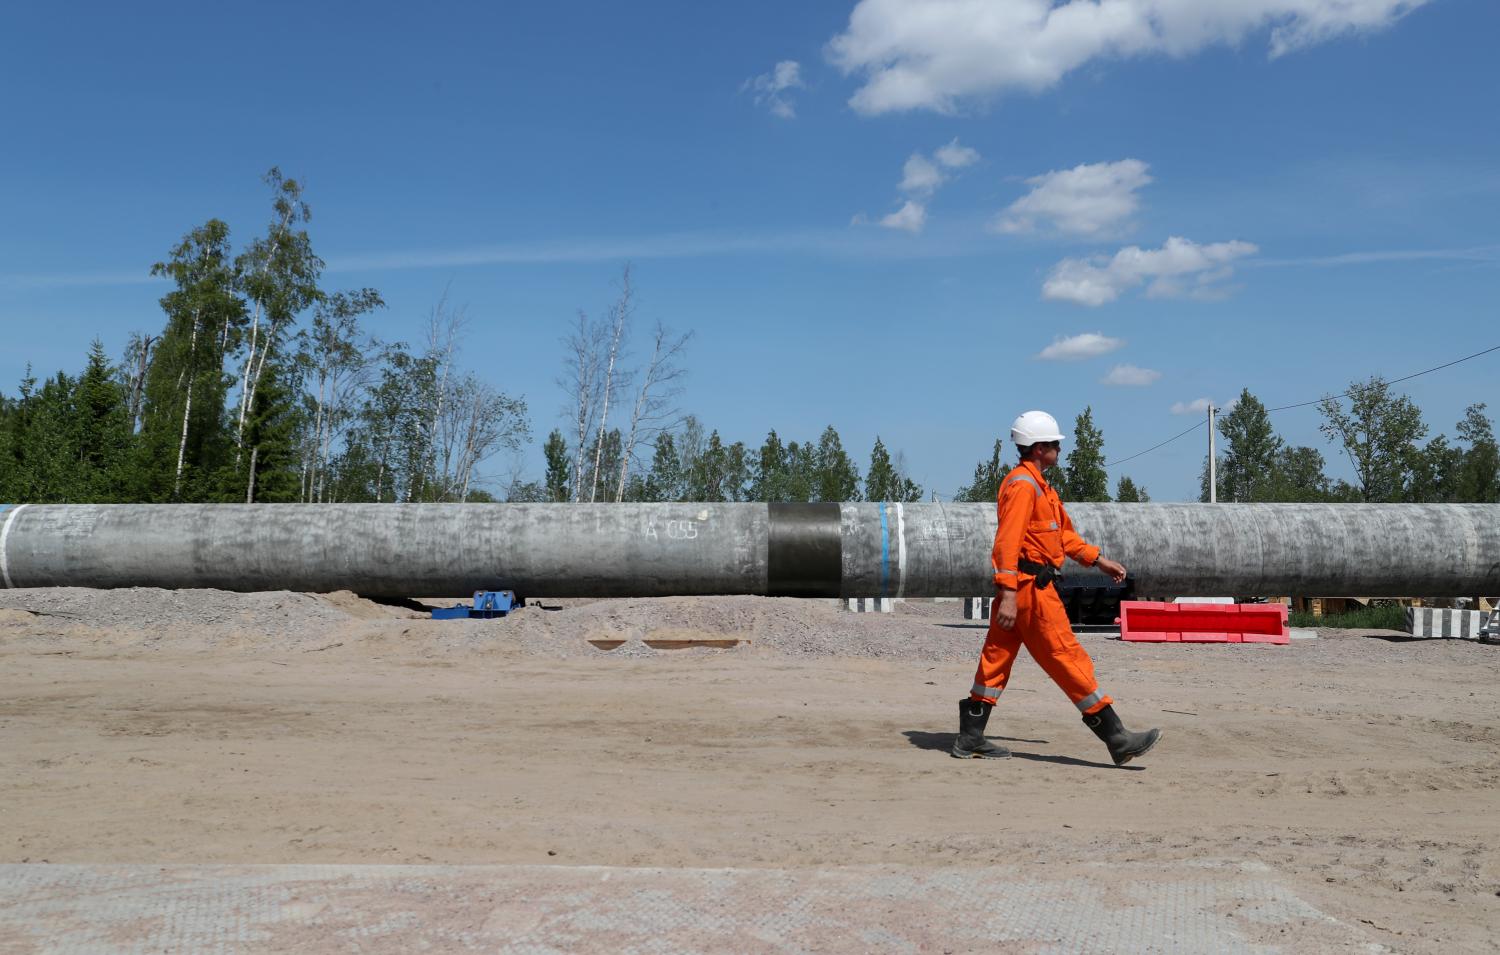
(1044, 573)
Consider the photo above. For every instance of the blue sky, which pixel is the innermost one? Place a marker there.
(1278, 195)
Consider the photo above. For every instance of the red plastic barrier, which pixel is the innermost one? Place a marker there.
(1147, 621)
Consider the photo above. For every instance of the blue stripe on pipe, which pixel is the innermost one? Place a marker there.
(885, 553)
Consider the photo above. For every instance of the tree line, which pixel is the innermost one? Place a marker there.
(1381, 433)
(688, 465)
(261, 386)
(264, 386)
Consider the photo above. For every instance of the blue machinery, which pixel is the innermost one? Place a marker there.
(487, 605)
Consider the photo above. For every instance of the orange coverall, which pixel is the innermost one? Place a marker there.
(1034, 527)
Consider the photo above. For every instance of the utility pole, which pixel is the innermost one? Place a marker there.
(1213, 462)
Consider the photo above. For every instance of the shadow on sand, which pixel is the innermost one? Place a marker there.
(943, 742)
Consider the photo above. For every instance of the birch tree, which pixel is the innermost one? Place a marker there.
(280, 276)
(654, 410)
(619, 318)
(581, 382)
(445, 325)
(479, 421)
(203, 301)
(138, 354)
(339, 358)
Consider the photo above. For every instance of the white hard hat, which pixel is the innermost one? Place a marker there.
(1034, 426)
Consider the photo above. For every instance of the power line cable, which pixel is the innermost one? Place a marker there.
(1304, 404)
(1155, 446)
(1394, 381)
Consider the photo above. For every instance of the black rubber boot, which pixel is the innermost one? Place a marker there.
(1123, 744)
(970, 742)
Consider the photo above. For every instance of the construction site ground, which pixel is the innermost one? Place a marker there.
(1339, 793)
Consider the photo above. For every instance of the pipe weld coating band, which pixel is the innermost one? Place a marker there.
(5, 539)
(885, 551)
(804, 551)
(900, 550)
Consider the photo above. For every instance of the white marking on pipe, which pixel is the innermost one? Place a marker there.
(4, 538)
(900, 551)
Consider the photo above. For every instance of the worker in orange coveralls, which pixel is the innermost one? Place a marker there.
(1034, 537)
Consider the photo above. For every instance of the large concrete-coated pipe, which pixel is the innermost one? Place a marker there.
(646, 550)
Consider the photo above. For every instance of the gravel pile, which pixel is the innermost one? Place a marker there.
(782, 626)
(280, 623)
(283, 621)
(139, 610)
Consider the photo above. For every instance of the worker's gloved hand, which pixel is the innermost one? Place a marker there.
(1113, 568)
(1004, 610)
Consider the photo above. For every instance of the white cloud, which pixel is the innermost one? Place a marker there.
(1199, 406)
(932, 54)
(921, 177)
(1181, 268)
(1088, 200)
(955, 156)
(771, 88)
(911, 217)
(1079, 347)
(1130, 375)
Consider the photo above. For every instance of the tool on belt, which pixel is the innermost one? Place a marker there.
(1045, 573)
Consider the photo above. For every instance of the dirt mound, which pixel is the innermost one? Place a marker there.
(281, 621)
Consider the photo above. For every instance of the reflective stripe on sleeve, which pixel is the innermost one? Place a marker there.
(1010, 572)
(1088, 701)
(991, 693)
(1029, 480)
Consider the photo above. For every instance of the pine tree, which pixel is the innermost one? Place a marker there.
(15, 474)
(706, 477)
(887, 480)
(771, 478)
(102, 422)
(48, 445)
(271, 444)
(7, 447)
(801, 472)
(556, 484)
(880, 480)
(1478, 480)
(1086, 479)
(837, 479)
(1128, 493)
(664, 482)
(1300, 477)
(1247, 467)
(737, 472)
(985, 486)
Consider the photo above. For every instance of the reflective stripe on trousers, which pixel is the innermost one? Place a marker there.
(1042, 627)
(1091, 700)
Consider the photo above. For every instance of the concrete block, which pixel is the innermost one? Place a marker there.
(868, 604)
(977, 608)
(1436, 623)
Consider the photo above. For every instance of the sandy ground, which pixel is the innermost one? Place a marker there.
(146, 727)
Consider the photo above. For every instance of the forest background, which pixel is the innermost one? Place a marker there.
(263, 385)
